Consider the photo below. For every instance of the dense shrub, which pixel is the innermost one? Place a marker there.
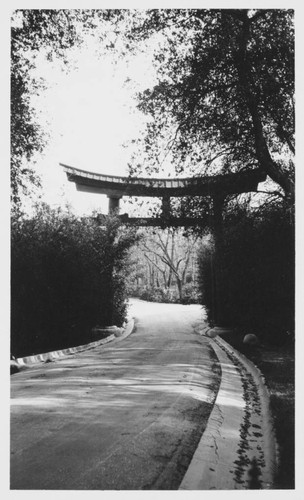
(190, 294)
(258, 272)
(67, 275)
(171, 295)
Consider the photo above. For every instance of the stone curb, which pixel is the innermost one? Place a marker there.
(53, 355)
(271, 448)
(213, 459)
(215, 464)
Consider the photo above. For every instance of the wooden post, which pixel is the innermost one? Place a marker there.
(166, 207)
(113, 205)
(218, 284)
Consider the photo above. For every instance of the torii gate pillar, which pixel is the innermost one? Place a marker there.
(219, 315)
(166, 207)
(113, 204)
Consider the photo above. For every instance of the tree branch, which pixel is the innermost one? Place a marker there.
(262, 151)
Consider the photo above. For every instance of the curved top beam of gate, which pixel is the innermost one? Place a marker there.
(117, 186)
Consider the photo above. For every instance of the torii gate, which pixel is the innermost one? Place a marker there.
(217, 187)
(115, 187)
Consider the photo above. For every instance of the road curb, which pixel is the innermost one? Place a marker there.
(271, 448)
(61, 353)
(231, 446)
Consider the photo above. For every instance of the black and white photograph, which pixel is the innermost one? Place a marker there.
(152, 235)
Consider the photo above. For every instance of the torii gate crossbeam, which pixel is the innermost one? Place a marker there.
(115, 187)
(118, 186)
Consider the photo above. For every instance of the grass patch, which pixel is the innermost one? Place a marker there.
(277, 363)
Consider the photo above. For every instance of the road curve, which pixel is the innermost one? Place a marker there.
(124, 416)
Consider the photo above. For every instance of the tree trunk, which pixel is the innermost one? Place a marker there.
(263, 155)
(180, 288)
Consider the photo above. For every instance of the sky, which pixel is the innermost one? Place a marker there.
(89, 114)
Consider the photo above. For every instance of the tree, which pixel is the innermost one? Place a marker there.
(166, 259)
(225, 93)
(32, 32)
(35, 34)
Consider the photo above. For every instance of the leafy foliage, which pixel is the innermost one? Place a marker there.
(36, 35)
(68, 275)
(32, 32)
(224, 99)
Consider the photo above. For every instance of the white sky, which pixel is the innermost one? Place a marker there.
(89, 114)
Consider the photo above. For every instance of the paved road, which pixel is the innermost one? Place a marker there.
(127, 415)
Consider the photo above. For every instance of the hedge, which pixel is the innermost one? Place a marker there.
(258, 272)
(67, 275)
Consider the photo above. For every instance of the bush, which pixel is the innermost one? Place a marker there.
(258, 272)
(165, 295)
(190, 294)
(150, 294)
(67, 275)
